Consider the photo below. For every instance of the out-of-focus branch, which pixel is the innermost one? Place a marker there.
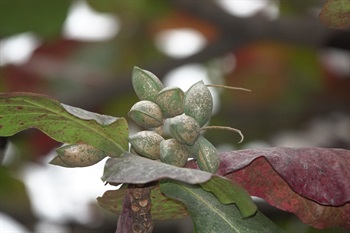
(235, 33)
(306, 30)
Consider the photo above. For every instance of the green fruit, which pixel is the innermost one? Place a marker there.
(173, 152)
(77, 155)
(146, 114)
(184, 128)
(198, 103)
(171, 101)
(146, 84)
(146, 143)
(205, 154)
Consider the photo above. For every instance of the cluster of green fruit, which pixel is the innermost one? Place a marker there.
(187, 112)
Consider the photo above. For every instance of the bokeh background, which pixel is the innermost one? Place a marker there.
(82, 52)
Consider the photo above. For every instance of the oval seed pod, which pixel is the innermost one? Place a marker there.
(146, 114)
(77, 155)
(146, 84)
(198, 103)
(173, 152)
(184, 128)
(205, 154)
(146, 143)
(171, 101)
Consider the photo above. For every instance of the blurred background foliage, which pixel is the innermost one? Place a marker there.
(83, 52)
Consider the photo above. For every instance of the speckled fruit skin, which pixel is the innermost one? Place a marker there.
(173, 152)
(198, 103)
(146, 84)
(187, 113)
(77, 155)
(146, 114)
(184, 128)
(171, 101)
(146, 143)
(205, 154)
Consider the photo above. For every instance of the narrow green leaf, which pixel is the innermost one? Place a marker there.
(211, 216)
(228, 192)
(20, 111)
(162, 207)
(134, 169)
(77, 155)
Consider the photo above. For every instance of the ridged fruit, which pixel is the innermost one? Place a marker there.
(205, 154)
(173, 152)
(146, 84)
(198, 103)
(146, 143)
(184, 128)
(146, 114)
(171, 101)
(77, 155)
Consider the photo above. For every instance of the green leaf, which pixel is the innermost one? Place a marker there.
(336, 14)
(134, 169)
(77, 155)
(162, 207)
(209, 215)
(45, 18)
(20, 111)
(228, 192)
(14, 194)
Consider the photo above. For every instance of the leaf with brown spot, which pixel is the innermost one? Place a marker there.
(63, 123)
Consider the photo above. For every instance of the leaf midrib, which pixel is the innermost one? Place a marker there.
(74, 119)
(209, 206)
(70, 117)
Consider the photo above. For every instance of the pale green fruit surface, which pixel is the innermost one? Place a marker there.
(198, 103)
(146, 143)
(77, 155)
(173, 152)
(184, 128)
(146, 84)
(171, 101)
(146, 114)
(205, 154)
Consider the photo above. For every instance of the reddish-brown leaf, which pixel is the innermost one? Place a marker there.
(313, 183)
(320, 174)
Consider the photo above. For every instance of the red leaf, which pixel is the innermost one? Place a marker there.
(313, 183)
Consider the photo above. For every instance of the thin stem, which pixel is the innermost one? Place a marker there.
(225, 128)
(228, 87)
